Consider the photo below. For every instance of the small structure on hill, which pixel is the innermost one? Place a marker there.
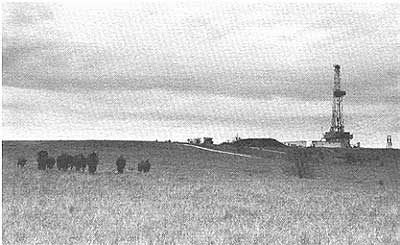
(194, 141)
(324, 143)
(389, 142)
(201, 141)
(208, 141)
(296, 143)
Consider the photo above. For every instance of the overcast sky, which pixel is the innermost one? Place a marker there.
(180, 69)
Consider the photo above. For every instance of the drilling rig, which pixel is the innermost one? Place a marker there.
(336, 136)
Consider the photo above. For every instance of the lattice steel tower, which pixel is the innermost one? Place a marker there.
(389, 142)
(336, 133)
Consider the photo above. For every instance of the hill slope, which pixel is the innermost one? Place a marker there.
(196, 196)
(258, 142)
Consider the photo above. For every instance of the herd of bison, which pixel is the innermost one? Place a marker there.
(79, 162)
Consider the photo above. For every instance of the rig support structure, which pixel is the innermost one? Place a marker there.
(336, 135)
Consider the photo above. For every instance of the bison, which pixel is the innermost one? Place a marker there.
(50, 162)
(144, 166)
(41, 159)
(84, 163)
(70, 161)
(79, 162)
(121, 163)
(60, 161)
(92, 162)
(64, 161)
(21, 162)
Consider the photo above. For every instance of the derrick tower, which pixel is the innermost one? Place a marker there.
(336, 134)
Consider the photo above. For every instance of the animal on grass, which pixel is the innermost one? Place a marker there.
(60, 161)
(121, 163)
(64, 161)
(92, 162)
(21, 162)
(70, 162)
(84, 163)
(79, 162)
(144, 166)
(41, 159)
(50, 162)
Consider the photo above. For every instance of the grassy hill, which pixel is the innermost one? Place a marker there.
(257, 142)
(196, 196)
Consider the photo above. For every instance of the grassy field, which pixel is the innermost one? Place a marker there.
(194, 196)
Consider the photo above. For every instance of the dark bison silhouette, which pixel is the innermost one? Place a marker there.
(121, 163)
(92, 162)
(83, 163)
(60, 161)
(144, 166)
(21, 162)
(50, 162)
(64, 161)
(79, 162)
(41, 159)
(70, 161)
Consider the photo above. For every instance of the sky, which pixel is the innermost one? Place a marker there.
(150, 70)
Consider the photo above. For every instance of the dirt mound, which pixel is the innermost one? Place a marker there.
(259, 142)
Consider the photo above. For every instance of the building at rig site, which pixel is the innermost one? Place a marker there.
(336, 136)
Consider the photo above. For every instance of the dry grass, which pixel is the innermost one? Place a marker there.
(193, 196)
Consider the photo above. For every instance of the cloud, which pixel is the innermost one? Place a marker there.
(166, 114)
(17, 14)
(187, 63)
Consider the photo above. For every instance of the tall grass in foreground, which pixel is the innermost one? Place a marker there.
(198, 197)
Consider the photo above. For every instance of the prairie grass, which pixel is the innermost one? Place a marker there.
(192, 196)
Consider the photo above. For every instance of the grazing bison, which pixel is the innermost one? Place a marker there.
(41, 159)
(70, 161)
(121, 162)
(83, 163)
(60, 161)
(144, 166)
(21, 162)
(50, 162)
(79, 162)
(92, 162)
(64, 161)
